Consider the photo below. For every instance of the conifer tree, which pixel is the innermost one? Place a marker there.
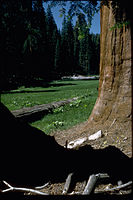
(40, 50)
(64, 46)
(13, 17)
(58, 64)
(70, 47)
(84, 53)
(86, 48)
(52, 33)
(67, 46)
(76, 50)
(95, 53)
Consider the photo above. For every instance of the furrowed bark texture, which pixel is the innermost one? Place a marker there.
(115, 85)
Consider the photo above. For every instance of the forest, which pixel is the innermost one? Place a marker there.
(32, 49)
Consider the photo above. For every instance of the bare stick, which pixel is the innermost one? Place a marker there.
(113, 123)
(11, 188)
(115, 188)
(7, 184)
(73, 193)
(67, 184)
(90, 184)
(102, 175)
(120, 186)
(42, 186)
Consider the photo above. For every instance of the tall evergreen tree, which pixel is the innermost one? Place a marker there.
(58, 64)
(83, 34)
(95, 53)
(76, 50)
(40, 50)
(12, 30)
(67, 45)
(70, 47)
(64, 46)
(86, 48)
(52, 33)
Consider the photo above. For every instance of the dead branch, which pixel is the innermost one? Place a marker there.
(90, 184)
(102, 175)
(116, 188)
(42, 186)
(120, 186)
(112, 123)
(67, 183)
(76, 143)
(95, 136)
(11, 188)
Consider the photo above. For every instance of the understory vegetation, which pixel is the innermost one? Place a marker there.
(63, 117)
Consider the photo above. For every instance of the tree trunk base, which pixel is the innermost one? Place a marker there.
(113, 109)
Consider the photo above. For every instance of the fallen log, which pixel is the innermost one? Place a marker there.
(35, 112)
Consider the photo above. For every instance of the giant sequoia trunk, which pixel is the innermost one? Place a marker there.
(113, 108)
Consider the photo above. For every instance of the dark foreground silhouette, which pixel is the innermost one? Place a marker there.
(30, 157)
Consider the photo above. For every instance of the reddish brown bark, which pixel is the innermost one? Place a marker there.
(114, 100)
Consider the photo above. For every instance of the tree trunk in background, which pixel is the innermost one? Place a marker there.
(113, 108)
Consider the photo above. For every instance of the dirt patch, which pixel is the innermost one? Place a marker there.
(115, 135)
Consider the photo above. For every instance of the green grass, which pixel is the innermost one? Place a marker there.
(63, 117)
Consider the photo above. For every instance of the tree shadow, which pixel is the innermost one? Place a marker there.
(61, 84)
(30, 157)
(26, 91)
(9, 91)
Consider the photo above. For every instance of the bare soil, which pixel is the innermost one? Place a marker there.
(115, 135)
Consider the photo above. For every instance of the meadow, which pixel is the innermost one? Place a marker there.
(60, 118)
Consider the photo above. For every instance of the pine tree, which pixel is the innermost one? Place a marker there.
(14, 17)
(86, 48)
(95, 53)
(40, 50)
(67, 46)
(58, 64)
(76, 50)
(83, 33)
(52, 33)
(64, 47)
(70, 47)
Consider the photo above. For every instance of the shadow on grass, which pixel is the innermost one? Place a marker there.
(38, 91)
(61, 84)
(30, 91)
